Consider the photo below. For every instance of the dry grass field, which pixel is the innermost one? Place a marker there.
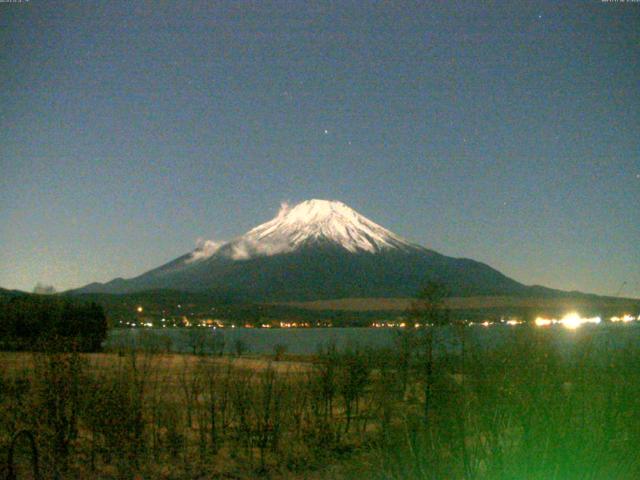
(171, 365)
(521, 410)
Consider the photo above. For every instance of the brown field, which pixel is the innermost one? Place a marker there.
(524, 410)
(171, 365)
(173, 395)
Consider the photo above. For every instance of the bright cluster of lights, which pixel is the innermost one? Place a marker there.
(211, 323)
(571, 321)
(390, 325)
(295, 324)
(624, 319)
(488, 323)
(134, 324)
(543, 322)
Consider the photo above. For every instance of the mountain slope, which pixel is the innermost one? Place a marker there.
(317, 249)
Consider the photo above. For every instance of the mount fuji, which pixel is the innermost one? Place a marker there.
(317, 249)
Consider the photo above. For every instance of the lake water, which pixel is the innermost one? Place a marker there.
(309, 340)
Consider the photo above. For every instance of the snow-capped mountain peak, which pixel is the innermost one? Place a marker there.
(334, 253)
(325, 220)
(309, 222)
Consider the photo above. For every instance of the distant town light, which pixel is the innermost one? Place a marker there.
(139, 309)
(571, 321)
(574, 320)
(543, 322)
(625, 319)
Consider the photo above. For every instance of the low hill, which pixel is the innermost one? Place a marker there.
(567, 302)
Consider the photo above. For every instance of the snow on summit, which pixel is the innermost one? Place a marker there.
(309, 222)
(325, 220)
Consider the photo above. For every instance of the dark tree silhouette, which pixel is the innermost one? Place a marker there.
(31, 322)
(430, 311)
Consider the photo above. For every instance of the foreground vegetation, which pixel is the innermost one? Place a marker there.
(31, 322)
(521, 411)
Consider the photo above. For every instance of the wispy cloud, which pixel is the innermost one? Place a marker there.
(44, 289)
(204, 249)
(284, 208)
(245, 248)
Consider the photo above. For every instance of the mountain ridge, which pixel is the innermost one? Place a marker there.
(317, 249)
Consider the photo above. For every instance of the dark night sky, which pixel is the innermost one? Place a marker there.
(508, 132)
